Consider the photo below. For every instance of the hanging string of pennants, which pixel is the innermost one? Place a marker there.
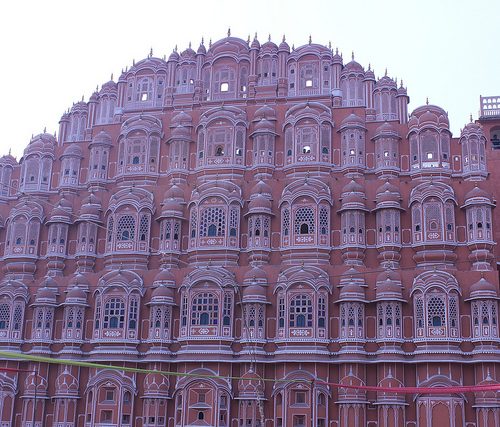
(379, 389)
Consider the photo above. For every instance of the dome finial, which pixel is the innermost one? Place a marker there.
(189, 46)
(111, 77)
(330, 44)
(310, 39)
(248, 39)
(45, 129)
(10, 151)
(471, 117)
(83, 97)
(229, 32)
(255, 36)
(369, 66)
(336, 51)
(385, 71)
(202, 41)
(210, 43)
(427, 101)
(352, 55)
(284, 39)
(401, 83)
(175, 49)
(151, 52)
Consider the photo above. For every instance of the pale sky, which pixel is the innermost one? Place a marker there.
(53, 52)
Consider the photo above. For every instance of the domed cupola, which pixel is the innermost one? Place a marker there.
(8, 160)
(61, 213)
(91, 209)
(369, 74)
(173, 203)
(483, 289)
(43, 143)
(388, 286)
(102, 138)
(188, 54)
(46, 295)
(352, 286)
(388, 196)
(264, 112)
(165, 277)
(156, 386)
(79, 281)
(261, 188)
(478, 196)
(202, 50)
(353, 197)
(255, 283)
(255, 43)
(174, 56)
(76, 296)
(259, 204)
(162, 294)
(269, 47)
(284, 47)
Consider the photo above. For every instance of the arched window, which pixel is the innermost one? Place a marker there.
(301, 312)
(205, 309)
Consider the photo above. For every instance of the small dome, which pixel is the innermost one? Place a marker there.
(94, 97)
(254, 293)
(369, 74)
(76, 294)
(387, 82)
(386, 129)
(91, 208)
(260, 204)
(264, 125)
(483, 289)
(261, 188)
(472, 129)
(337, 59)
(60, 213)
(80, 281)
(102, 138)
(255, 275)
(162, 293)
(478, 196)
(174, 192)
(174, 56)
(164, 276)
(202, 50)
(352, 286)
(269, 46)
(41, 144)
(352, 120)
(429, 115)
(389, 286)
(264, 112)
(8, 159)
(79, 107)
(352, 67)
(108, 86)
(284, 47)
(388, 196)
(188, 54)
(255, 43)
(181, 118)
(353, 187)
(46, 295)
(156, 384)
(73, 150)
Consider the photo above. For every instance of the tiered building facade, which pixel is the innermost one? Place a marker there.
(242, 214)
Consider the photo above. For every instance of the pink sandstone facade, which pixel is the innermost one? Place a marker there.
(251, 211)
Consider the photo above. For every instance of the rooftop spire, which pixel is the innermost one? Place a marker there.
(151, 52)
(385, 71)
(352, 55)
(189, 44)
(229, 32)
(202, 40)
(330, 44)
(284, 39)
(269, 37)
(310, 39)
(471, 117)
(427, 101)
(111, 77)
